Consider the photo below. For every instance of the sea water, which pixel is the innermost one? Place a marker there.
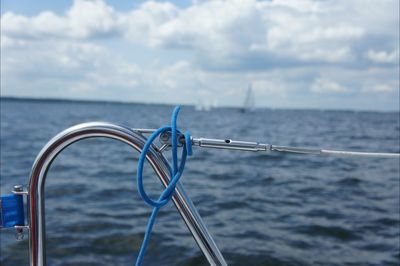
(262, 209)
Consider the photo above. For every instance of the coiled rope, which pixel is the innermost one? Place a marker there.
(175, 173)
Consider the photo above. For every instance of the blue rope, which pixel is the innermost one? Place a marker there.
(175, 172)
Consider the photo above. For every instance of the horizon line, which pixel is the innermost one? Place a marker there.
(55, 99)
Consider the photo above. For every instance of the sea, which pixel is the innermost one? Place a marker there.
(261, 208)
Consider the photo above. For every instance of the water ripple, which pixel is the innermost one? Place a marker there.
(262, 208)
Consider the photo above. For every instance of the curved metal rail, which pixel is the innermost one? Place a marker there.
(36, 211)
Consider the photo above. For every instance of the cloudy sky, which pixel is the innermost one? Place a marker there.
(326, 54)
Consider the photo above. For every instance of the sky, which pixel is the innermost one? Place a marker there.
(326, 54)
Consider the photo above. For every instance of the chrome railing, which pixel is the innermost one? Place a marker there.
(36, 189)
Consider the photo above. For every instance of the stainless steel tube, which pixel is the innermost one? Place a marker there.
(36, 206)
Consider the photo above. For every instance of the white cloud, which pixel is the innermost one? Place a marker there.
(321, 85)
(384, 88)
(207, 49)
(219, 30)
(277, 88)
(381, 89)
(143, 25)
(85, 19)
(64, 69)
(216, 31)
(383, 56)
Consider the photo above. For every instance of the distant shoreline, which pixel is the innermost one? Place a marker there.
(66, 100)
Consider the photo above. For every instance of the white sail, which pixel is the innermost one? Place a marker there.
(249, 101)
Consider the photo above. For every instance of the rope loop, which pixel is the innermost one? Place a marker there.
(175, 173)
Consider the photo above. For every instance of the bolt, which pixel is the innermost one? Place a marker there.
(18, 188)
(164, 136)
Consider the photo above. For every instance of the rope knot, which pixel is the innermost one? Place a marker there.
(175, 173)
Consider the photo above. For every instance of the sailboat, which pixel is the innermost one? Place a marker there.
(202, 106)
(206, 106)
(249, 101)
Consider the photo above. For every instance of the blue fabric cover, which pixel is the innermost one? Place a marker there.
(11, 210)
